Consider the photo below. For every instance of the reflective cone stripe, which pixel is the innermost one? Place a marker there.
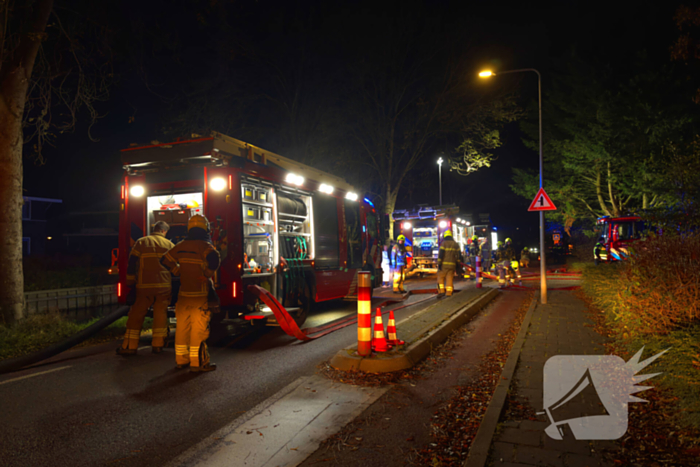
(391, 331)
(478, 272)
(364, 314)
(379, 342)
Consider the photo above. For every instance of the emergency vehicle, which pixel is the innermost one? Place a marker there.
(300, 233)
(618, 233)
(424, 228)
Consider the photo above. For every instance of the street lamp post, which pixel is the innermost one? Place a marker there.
(543, 265)
(440, 178)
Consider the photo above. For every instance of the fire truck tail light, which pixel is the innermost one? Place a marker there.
(119, 289)
(123, 192)
(234, 290)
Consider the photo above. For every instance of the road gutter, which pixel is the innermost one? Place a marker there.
(479, 451)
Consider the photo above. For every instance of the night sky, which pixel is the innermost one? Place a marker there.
(86, 175)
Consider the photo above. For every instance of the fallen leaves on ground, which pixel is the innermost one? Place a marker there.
(653, 437)
(455, 424)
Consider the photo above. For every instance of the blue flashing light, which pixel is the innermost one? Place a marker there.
(369, 202)
(494, 228)
(364, 229)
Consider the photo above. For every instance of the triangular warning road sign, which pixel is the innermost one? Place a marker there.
(542, 202)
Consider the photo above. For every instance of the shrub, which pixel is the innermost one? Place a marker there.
(662, 284)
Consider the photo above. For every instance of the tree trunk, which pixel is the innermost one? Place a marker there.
(645, 201)
(14, 83)
(599, 193)
(389, 206)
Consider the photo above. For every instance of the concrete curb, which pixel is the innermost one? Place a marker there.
(347, 359)
(479, 451)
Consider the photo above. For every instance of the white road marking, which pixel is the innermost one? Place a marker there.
(34, 374)
(144, 347)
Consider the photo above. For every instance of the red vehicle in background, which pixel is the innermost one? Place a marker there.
(618, 233)
(300, 233)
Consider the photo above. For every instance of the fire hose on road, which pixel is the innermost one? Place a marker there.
(18, 363)
(290, 326)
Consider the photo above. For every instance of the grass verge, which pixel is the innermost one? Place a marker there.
(40, 331)
(604, 286)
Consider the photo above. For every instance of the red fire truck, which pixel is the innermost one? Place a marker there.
(424, 228)
(618, 233)
(295, 231)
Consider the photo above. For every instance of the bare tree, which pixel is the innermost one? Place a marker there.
(46, 61)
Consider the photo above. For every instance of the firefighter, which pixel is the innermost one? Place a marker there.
(448, 257)
(398, 263)
(485, 252)
(513, 264)
(598, 249)
(150, 287)
(501, 264)
(525, 258)
(386, 267)
(195, 260)
(473, 253)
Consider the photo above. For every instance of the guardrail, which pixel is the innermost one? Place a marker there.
(43, 301)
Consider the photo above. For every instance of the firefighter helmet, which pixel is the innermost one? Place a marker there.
(198, 221)
(526, 249)
(401, 238)
(475, 238)
(448, 233)
(500, 244)
(508, 241)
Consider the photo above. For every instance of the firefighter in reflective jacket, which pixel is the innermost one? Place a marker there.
(195, 260)
(513, 263)
(448, 257)
(150, 287)
(398, 263)
(599, 251)
(474, 251)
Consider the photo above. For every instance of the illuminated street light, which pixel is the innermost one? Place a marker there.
(543, 267)
(440, 179)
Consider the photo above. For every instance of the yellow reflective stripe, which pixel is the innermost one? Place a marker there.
(130, 277)
(160, 332)
(153, 286)
(191, 261)
(364, 307)
(378, 334)
(193, 294)
(135, 252)
(152, 255)
(364, 334)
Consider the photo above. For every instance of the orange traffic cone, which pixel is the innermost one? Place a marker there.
(391, 331)
(379, 343)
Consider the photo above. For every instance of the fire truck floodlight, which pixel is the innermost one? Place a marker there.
(406, 226)
(443, 224)
(326, 189)
(217, 184)
(459, 220)
(295, 179)
(351, 196)
(137, 191)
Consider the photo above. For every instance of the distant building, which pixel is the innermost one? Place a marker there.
(34, 224)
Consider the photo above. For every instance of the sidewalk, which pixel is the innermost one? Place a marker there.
(561, 327)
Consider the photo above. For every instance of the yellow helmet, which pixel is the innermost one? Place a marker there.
(198, 221)
(475, 238)
(448, 233)
(400, 237)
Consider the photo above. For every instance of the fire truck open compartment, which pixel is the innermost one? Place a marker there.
(174, 209)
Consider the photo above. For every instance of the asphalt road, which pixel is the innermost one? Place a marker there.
(102, 409)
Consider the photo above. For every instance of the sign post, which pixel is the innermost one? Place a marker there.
(541, 203)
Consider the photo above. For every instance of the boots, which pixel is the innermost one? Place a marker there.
(125, 352)
(204, 368)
